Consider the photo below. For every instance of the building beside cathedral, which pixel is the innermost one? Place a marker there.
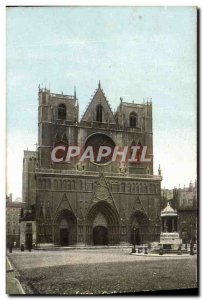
(187, 207)
(184, 200)
(90, 203)
(13, 213)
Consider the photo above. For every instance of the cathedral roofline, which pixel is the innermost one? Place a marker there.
(30, 152)
(135, 104)
(62, 96)
(58, 95)
(98, 90)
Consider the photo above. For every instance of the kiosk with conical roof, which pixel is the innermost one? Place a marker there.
(169, 238)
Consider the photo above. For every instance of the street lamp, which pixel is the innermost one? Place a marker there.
(133, 249)
(191, 241)
(184, 237)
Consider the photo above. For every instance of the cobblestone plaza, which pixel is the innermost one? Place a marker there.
(101, 271)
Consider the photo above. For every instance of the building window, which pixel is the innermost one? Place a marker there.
(99, 113)
(123, 187)
(145, 188)
(28, 227)
(80, 185)
(55, 184)
(73, 185)
(133, 120)
(114, 187)
(64, 185)
(89, 186)
(60, 184)
(62, 112)
(44, 184)
(43, 98)
(48, 184)
(129, 187)
(69, 185)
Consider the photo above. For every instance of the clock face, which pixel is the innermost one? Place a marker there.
(98, 140)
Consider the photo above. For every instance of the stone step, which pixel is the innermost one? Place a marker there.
(56, 248)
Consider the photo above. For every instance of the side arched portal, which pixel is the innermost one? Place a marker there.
(102, 225)
(65, 228)
(139, 228)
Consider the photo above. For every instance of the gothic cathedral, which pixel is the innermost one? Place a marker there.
(87, 203)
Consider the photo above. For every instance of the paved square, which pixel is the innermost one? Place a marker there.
(101, 271)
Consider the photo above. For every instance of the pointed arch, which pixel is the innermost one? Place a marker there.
(100, 220)
(65, 228)
(106, 209)
(48, 211)
(64, 138)
(111, 216)
(123, 187)
(41, 212)
(64, 204)
(61, 111)
(99, 113)
(66, 213)
(140, 216)
(64, 184)
(55, 184)
(139, 224)
(90, 112)
(133, 120)
(57, 137)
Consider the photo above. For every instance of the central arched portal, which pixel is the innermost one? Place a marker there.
(100, 236)
(102, 225)
(64, 232)
(100, 230)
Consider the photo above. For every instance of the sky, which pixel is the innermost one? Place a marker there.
(136, 53)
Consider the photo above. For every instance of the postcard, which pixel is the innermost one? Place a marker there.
(102, 185)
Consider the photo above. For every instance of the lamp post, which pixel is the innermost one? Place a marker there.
(184, 237)
(133, 249)
(191, 241)
(134, 235)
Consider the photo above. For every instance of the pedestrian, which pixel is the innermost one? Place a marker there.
(22, 248)
(29, 247)
(10, 247)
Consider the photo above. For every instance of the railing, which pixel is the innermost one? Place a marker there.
(64, 122)
(96, 174)
(66, 172)
(102, 125)
(62, 96)
(136, 129)
(150, 176)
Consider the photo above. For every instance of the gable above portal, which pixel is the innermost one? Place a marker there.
(91, 113)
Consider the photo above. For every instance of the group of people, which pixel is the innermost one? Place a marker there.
(13, 245)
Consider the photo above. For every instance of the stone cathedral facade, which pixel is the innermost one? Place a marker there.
(86, 203)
